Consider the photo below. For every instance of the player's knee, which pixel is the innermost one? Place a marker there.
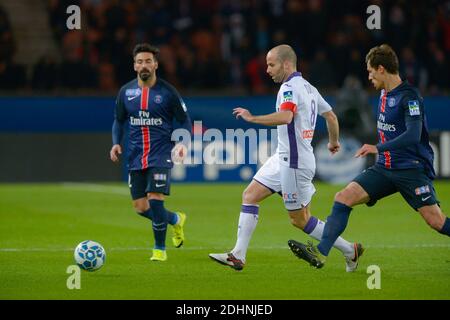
(434, 218)
(155, 196)
(249, 197)
(297, 223)
(435, 222)
(299, 219)
(340, 197)
(344, 197)
(140, 208)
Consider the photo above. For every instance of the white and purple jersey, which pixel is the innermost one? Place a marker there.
(294, 139)
(150, 113)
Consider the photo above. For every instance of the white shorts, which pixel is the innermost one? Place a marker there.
(295, 185)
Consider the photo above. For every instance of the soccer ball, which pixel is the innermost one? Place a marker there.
(90, 255)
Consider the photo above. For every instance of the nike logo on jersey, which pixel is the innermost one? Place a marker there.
(160, 185)
(131, 98)
(426, 198)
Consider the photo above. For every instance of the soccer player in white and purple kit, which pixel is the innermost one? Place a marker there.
(291, 169)
(149, 106)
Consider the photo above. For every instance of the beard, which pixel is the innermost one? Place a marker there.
(280, 77)
(145, 75)
(276, 78)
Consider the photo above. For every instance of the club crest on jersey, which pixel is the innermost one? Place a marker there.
(422, 190)
(391, 102)
(132, 92)
(158, 99)
(414, 109)
(287, 96)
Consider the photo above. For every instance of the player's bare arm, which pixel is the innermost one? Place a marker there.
(333, 131)
(116, 150)
(365, 150)
(273, 119)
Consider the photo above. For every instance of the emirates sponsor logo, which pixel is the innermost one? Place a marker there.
(386, 126)
(145, 121)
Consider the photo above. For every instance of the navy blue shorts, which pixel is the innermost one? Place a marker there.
(142, 182)
(413, 184)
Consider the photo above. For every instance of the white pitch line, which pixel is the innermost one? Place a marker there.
(417, 246)
(93, 187)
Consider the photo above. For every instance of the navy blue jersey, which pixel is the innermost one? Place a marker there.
(150, 113)
(395, 108)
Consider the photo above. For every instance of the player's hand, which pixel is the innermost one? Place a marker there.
(334, 147)
(365, 150)
(179, 152)
(116, 150)
(243, 113)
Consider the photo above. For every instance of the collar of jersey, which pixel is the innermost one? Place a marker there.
(400, 87)
(294, 74)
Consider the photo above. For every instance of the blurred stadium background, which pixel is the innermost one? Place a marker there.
(58, 85)
(57, 92)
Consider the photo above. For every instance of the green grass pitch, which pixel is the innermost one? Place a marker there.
(40, 225)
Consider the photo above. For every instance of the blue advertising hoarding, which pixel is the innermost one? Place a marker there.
(28, 115)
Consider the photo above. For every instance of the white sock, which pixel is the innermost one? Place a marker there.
(247, 224)
(341, 244)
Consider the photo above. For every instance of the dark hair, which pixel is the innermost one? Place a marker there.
(145, 47)
(385, 56)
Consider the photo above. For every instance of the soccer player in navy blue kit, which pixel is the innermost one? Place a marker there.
(404, 164)
(149, 106)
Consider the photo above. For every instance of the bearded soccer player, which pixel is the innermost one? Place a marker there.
(149, 106)
(404, 164)
(291, 169)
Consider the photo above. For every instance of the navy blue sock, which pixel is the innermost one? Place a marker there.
(335, 225)
(159, 223)
(172, 217)
(446, 228)
(147, 214)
